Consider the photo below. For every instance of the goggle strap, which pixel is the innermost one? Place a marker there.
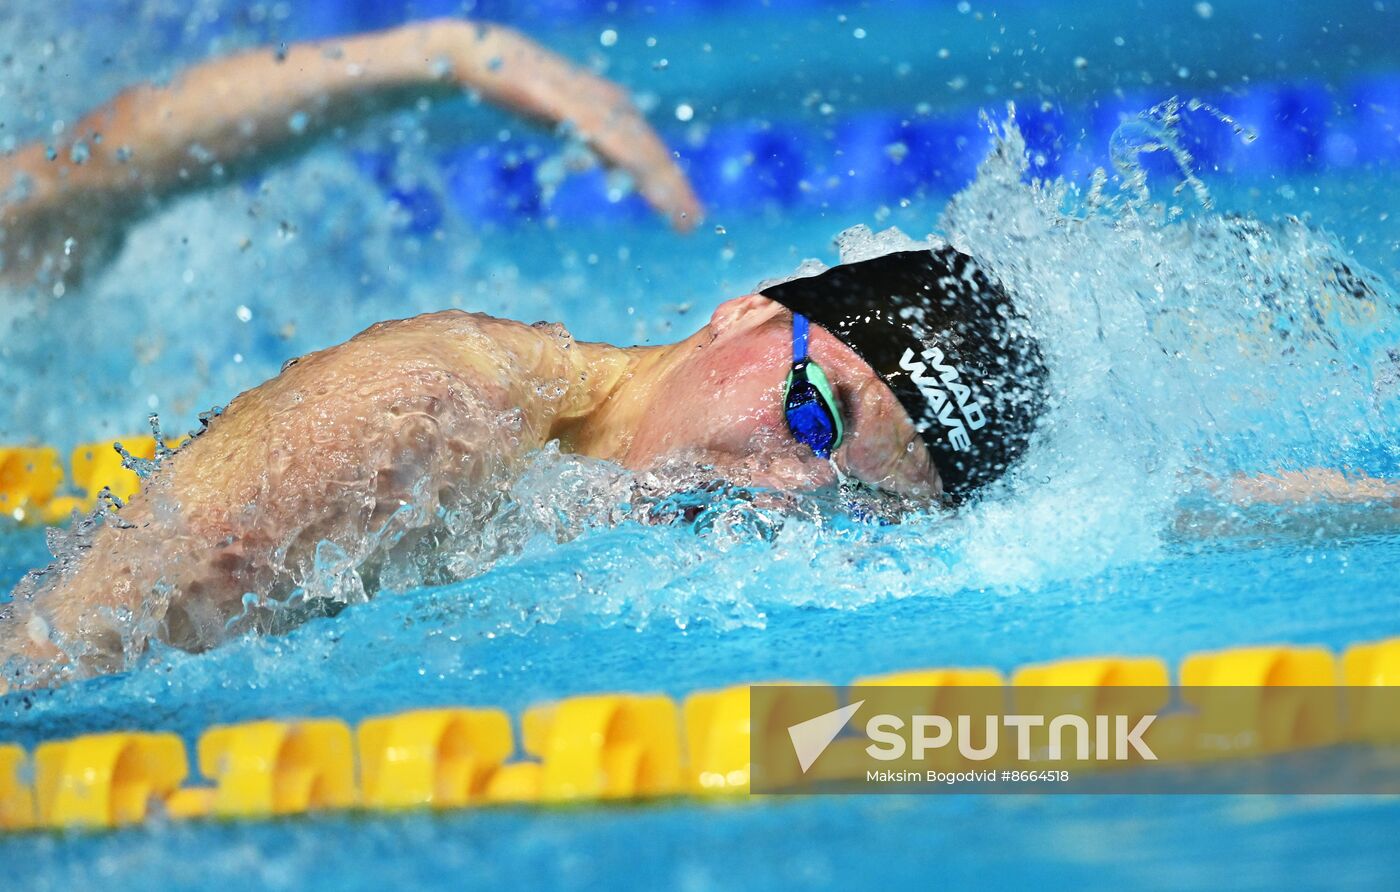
(800, 328)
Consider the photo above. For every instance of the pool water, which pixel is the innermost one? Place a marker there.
(1189, 344)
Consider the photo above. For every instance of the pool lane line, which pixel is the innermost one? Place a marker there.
(627, 746)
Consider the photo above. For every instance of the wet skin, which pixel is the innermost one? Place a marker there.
(433, 411)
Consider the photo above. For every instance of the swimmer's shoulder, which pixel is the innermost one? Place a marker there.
(456, 339)
(455, 324)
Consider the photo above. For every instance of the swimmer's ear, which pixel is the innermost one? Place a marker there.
(745, 312)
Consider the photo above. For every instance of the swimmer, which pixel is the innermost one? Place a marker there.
(913, 373)
(65, 205)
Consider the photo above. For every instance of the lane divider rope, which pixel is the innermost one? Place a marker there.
(620, 746)
(33, 478)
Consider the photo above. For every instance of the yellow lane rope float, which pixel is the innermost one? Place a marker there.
(32, 478)
(631, 746)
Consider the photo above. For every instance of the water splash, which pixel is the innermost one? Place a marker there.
(1158, 129)
(1185, 348)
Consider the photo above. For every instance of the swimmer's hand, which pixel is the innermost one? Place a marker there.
(1309, 502)
(1312, 485)
(509, 69)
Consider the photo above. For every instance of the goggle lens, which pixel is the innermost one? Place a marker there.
(810, 418)
(813, 416)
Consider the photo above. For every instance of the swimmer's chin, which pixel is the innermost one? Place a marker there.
(787, 479)
(807, 476)
(794, 475)
(780, 472)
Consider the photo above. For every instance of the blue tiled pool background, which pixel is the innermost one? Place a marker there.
(796, 118)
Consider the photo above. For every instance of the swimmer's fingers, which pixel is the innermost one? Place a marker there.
(509, 69)
(625, 141)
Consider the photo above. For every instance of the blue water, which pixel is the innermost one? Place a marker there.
(1158, 338)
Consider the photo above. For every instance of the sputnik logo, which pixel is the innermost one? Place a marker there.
(811, 738)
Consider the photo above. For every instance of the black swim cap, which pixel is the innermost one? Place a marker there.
(950, 345)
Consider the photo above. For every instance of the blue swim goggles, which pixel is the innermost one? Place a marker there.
(809, 403)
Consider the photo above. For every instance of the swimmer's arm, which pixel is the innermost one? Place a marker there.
(1311, 485)
(420, 411)
(244, 111)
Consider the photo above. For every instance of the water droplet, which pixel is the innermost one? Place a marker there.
(608, 37)
(684, 112)
(243, 313)
(297, 123)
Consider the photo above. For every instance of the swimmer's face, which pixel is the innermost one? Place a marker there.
(722, 405)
